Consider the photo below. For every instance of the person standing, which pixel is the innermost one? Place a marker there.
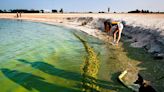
(20, 14)
(17, 15)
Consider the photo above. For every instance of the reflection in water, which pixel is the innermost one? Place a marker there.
(90, 69)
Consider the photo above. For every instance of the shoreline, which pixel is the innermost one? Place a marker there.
(139, 29)
(90, 31)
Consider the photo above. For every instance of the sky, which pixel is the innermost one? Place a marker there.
(84, 5)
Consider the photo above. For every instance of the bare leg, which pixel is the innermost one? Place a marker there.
(119, 36)
(109, 30)
(106, 27)
(114, 35)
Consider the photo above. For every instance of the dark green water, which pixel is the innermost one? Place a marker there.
(36, 57)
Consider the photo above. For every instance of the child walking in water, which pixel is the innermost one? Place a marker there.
(117, 26)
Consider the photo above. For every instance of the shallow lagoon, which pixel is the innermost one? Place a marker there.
(36, 57)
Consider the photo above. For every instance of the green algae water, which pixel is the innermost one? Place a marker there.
(37, 57)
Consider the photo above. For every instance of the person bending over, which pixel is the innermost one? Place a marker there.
(117, 26)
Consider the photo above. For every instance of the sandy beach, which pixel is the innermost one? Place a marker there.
(140, 27)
